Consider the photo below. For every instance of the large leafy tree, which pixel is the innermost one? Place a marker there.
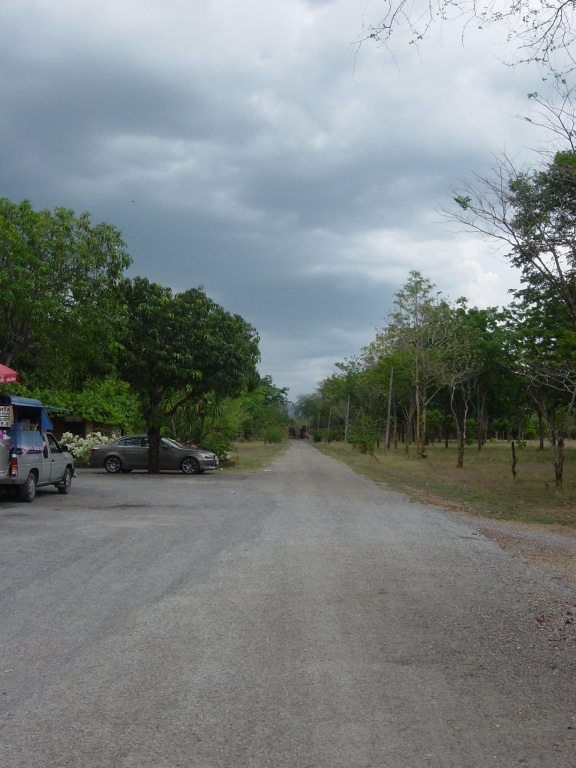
(61, 277)
(178, 348)
(544, 345)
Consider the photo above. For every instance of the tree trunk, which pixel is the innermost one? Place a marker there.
(421, 429)
(540, 431)
(559, 462)
(154, 450)
(461, 443)
(481, 413)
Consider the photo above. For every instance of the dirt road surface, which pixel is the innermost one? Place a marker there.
(298, 617)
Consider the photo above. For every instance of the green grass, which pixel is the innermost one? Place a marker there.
(252, 456)
(484, 486)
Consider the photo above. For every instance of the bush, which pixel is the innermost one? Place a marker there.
(363, 434)
(219, 442)
(274, 434)
(80, 447)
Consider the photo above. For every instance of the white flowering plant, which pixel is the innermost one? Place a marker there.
(80, 446)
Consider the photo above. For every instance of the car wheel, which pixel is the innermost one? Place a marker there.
(113, 465)
(66, 483)
(27, 492)
(190, 466)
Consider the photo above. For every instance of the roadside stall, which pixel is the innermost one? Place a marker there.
(30, 455)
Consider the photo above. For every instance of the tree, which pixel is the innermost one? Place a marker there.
(418, 327)
(541, 31)
(544, 346)
(266, 408)
(533, 216)
(178, 348)
(458, 367)
(106, 401)
(61, 278)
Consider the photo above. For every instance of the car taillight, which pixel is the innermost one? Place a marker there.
(13, 471)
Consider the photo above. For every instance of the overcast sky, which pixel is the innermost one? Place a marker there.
(253, 149)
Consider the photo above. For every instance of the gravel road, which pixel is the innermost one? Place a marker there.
(298, 617)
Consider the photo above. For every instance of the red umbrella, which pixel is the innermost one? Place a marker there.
(7, 375)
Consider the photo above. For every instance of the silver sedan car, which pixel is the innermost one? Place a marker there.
(131, 452)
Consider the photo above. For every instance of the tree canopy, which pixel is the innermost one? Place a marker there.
(61, 278)
(180, 347)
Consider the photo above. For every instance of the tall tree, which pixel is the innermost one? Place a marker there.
(544, 345)
(61, 278)
(178, 348)
(418, 327)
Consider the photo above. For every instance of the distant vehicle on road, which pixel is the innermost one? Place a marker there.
(131, 452)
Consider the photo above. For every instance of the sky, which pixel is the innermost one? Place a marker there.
(256, 150)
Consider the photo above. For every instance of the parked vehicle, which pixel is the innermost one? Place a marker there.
(30, 455)
(131, 452)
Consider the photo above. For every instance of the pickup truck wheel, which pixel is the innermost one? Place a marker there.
(27, 492)
(113, 465)
(190, 466)
(66, 484)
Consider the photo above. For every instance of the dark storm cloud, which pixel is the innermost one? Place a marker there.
(253, 150)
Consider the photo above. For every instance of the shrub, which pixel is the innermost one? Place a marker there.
(80, 447)
(274, 434)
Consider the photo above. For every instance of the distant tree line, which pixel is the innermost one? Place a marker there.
(440, 370)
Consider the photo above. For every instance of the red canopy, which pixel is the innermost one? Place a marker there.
(7, 375)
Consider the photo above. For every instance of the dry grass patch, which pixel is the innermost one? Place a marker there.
(254, 455)
(485, 485)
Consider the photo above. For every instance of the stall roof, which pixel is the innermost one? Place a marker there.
(29, 402)
(17, 400)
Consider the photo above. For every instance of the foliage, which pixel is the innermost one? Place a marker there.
(274, 433)
(363, 434)
(264, 410)
(80, 447)
(178, 348)
(61, 278)
(420, 328)
(219, 441)
(215, 423)
(107, 401)
(457, 368)
(533, 216)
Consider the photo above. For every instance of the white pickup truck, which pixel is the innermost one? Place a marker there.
(30, 455)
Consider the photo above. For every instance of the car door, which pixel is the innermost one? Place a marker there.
(54, 460)
(169, 455)
(134, 452)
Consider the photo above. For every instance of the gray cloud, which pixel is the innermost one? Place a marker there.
(253, 150)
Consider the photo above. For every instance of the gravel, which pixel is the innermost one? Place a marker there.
(299, 617)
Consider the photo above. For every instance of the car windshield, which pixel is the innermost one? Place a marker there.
(171, 443)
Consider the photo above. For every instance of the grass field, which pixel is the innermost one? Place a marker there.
(484, 486)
